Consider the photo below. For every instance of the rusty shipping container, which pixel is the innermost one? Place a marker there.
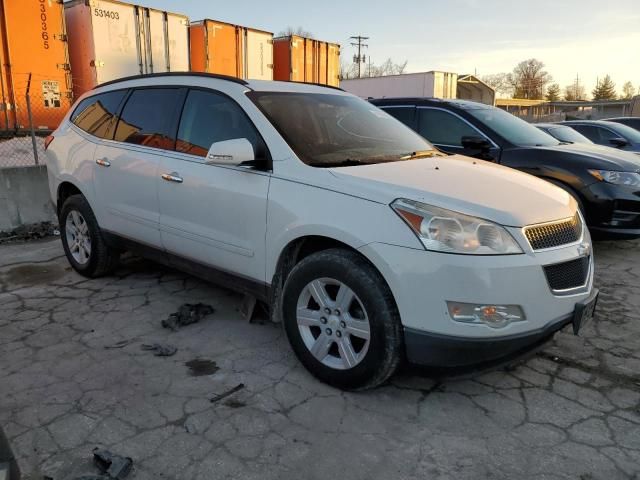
(109, 39)
(300, 59)
(33, 46)
(227, 49)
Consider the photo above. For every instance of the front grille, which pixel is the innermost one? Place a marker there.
(567, 275)
(556, 234)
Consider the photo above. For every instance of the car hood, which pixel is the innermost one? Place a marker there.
(601, 157)
(463, 184)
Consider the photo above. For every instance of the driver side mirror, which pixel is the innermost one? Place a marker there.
(475, 143)
(232, 153)
(618, 142)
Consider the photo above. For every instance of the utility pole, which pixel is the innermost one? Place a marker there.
(359, 59)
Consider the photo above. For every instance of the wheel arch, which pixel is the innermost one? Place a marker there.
(299, 248)
(65, 189)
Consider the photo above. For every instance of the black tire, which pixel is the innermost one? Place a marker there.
(102, 259)
(385, 348)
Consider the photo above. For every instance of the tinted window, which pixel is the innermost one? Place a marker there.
(626, 132)
(512, 129)
(97, 115)
(147, 118)
(592, 133)
(405, 114)
(326, 130)
(443, 128)
(211, 117)
(568, 134)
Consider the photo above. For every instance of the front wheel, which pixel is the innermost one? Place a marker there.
(341, 320)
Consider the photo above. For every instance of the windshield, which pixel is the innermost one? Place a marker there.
(568, 134)
(513, 129)
(326, 130)
(627, 132)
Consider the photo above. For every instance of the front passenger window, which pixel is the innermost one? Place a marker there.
(210, 117)
(443, 128)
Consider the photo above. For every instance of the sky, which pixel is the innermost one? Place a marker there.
(589, 38)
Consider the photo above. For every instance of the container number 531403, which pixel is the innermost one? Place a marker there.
(98, 12)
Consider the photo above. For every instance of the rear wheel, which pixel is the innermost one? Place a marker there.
(341, 320)
(82, 239)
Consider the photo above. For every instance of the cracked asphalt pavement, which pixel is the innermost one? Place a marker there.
(571, 411)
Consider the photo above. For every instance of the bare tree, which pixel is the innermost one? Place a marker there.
(628, 90)
(575, 92)
(301, 32)
(500, 82)
(388, 67)
(529, 79)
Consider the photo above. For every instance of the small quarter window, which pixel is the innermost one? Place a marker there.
(97, 114)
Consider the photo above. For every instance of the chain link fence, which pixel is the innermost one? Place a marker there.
(30, 112)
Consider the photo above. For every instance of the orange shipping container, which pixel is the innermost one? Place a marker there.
(227, 49)
(33, 45)
(300, 59)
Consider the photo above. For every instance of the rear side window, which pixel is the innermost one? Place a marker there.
(148, 118)
(210, 117)
(97, 115)
(443, 128)
(596, 134)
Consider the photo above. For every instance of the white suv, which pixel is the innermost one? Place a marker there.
(367, 242)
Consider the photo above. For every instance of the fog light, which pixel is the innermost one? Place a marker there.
(494, 316)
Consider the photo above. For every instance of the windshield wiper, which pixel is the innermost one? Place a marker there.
(349, 162)
(422, 154)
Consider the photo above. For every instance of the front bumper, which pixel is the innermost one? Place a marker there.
(612, 211)
(423, 281)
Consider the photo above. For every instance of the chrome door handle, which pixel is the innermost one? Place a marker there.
(172, 177)
(103, 162)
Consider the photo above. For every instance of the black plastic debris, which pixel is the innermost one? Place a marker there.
(186, 315)
(228, 393)
(120, 344)
(159, 349)
(115, 466)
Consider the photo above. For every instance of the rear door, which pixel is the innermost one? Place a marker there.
(445, 130)
(126, 178)
(258, 55)
(214, 215)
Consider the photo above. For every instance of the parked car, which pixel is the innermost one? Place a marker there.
(563, 133)
(366, 241)
(633, 122)
(610, 134)
(604, 181)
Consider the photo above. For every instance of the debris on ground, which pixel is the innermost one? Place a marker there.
(186, 315)
(160, 349)
(228, 393)
(33, 231)
(247, 306)
(200, 367)
(115, 466)
(120, 344)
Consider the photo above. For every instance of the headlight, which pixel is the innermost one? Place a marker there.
(442, 230)
(629, 179)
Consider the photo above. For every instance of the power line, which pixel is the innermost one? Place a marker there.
(359, 59)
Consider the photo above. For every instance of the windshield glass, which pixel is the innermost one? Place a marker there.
(513, 129)
(627, 132)
(568, 134)
(326, 130)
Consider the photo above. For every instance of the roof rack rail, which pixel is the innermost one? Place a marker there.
(175, 74)
(315, 84)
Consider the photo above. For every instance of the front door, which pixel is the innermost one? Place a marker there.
(445, 130)
(214, 215)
